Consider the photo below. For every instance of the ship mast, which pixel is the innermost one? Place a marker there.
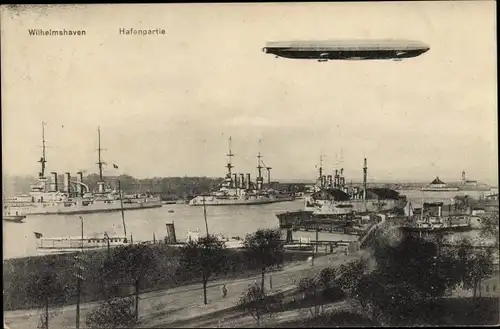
(259, 169)
(229, 155)
(321, 170)
(99, 149)
(43, 159)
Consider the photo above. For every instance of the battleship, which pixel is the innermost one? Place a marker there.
(236, 190)
(334, 202)
(74, 197)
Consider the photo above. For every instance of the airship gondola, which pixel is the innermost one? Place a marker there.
(347, 49)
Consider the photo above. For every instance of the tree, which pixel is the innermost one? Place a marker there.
(205, 256)
(348, 276)
(407, 273)
(265, 247)
(112, 313)
(490, 228)
(474, 266)
(45, 288)
(256, 303)
(320, 289)
(135, 261)
(309, 289)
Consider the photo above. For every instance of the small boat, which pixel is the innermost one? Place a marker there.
(61, 245)
(14, 218)
(170, 211)
(11, 216)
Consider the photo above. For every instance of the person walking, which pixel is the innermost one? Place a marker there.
(224, 291)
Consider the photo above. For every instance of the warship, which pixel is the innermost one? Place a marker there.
(334, 202)
(74, 197)
(236, 189)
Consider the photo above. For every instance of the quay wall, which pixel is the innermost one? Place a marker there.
(18, 272)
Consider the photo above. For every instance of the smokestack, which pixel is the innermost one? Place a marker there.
(336, 178)
(54, 181)
(79, 179)
(259, 183)
(100, 187)
(365, 170)
(329, 180)
(67, 178)
(242, 181)
(235, 180)
(248, 181)
(323, 181)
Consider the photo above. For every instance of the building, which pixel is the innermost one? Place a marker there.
(437, 183)
(467, 182)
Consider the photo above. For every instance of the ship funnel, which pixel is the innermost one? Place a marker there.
(67, 178)
(329, 180)
(259, 183)
(242, 181)
(248, 182)
(235, 180)
(79, 187)
(336, 178)
(54, 181)
(323, 181)
(100, 187)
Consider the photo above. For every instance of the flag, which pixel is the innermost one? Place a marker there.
(38, 235)
(115, 166)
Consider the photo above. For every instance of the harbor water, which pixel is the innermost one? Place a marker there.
(231, 221)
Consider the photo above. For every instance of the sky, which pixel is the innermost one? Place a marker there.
(167, 104)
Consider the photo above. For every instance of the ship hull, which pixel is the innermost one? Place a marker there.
(13, 218)
(302, 218)
(101, 207)
(440, 189)
(333, 214)
(430, 230)
(215, 201)
(231, 202)
(475, 188)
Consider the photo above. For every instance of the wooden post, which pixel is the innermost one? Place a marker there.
(205, 214)
(121, 206)
(78, 289)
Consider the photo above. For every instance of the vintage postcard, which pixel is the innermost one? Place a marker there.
(250, 165)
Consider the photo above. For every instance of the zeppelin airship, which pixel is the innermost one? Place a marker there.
(347, 49)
